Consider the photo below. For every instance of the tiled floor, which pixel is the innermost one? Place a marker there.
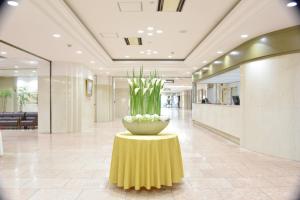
(76, 166)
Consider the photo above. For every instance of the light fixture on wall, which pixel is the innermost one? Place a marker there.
(204, 61)
(218, 62)
(234, 53)
(3, 52)
(140, 31)
(127, 56)
(244, 36)
(12, 3)
(291, 4)
(263, 39)
(219, 52)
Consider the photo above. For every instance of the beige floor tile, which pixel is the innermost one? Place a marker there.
(76, 166)
(55, 194)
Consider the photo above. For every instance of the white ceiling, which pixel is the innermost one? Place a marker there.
(32, 23)
(197, 18)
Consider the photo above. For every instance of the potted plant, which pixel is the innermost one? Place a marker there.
(23, 97)
(145, 105)
(4, 94)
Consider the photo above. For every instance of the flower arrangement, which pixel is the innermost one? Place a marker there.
(145, 105)
(145, 93)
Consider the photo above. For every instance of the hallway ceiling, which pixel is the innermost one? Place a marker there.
(181, 30)
(97, 28)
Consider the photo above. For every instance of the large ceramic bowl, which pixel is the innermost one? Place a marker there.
(146, 127)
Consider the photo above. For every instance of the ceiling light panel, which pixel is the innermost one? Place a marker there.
(170, 5)
(130, 6)
(133, 41)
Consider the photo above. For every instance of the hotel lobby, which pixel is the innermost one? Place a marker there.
(149, 99)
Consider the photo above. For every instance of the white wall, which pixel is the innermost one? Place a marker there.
(104, 98)
(43, 97)
(271, 106)
(9, 83)
(268, 119)
(72, 110)
(225, 118)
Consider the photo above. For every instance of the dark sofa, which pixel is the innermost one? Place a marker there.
(18, 120)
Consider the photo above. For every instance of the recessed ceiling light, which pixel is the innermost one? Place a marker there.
(149, 50)
(218, 62)
(219, 52)
(150, 28)
(244, 36)
(140, 31)
(3, 52)
(204, 61)
(12, 3)
(155, 52)
(16, 71)
(170, 56)
(33, 62)
(234, 53)
(291, 4)
(56, 35)
(159, 31)
(79, 52)
(92, 62)
(33, 71)
(148, 53)
(142, 52)
(149, 34)
(127, 56)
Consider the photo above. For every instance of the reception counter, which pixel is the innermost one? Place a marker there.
(225, 120)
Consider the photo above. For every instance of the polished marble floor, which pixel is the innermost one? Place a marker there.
(76, 166)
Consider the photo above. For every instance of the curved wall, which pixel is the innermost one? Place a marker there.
(270, 90)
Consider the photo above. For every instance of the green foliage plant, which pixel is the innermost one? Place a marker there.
(4, 95)
(145, 93)
(23, 97)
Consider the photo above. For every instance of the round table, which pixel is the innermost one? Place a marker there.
(145, 161)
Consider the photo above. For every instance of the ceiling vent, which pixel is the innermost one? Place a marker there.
(170, 5)
(130, 6)
(133, 41)
(109, 35)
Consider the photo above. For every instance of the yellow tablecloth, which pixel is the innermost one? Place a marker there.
(145, 161)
